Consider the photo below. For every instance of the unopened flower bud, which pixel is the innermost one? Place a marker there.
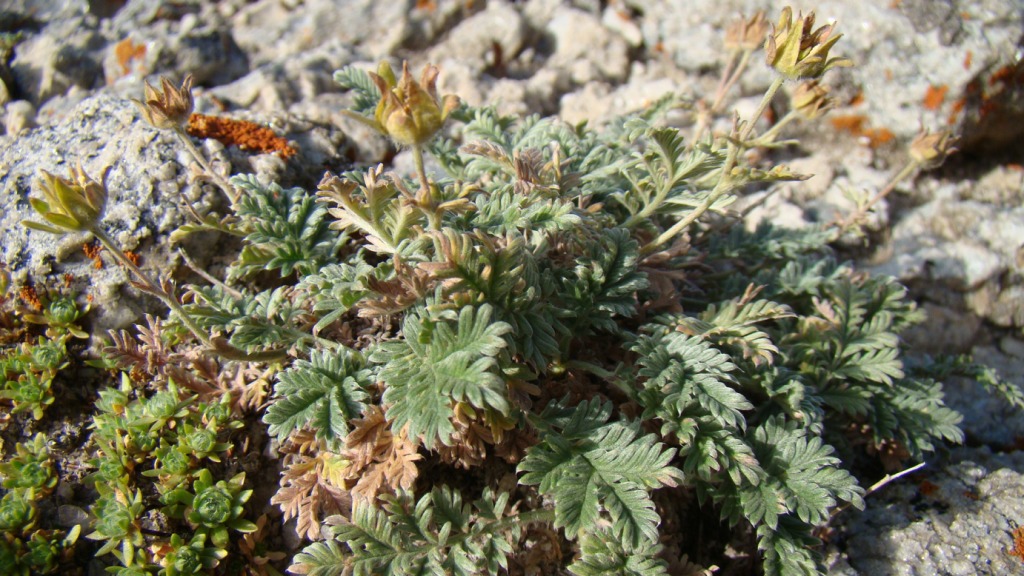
(73, 205)
(810, 99)
(170, 108)
(797, 51)
(747, 34)
(409, 111)
(931, 150)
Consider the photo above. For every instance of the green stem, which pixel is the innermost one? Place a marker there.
(724, 184)
(152, 287)
(846, 223)
(769, 136)
(717, 192)
(765, 102)
(220, 346)
(223, 184)
(423, 197)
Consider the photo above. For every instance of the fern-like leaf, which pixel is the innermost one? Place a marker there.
(438, 363)
(323, 393)
(602, 555)
(592, 467)
(289, 230)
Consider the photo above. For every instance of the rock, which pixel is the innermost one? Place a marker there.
(172, 42)
(474, 41)
(585, 50)
(964, 246)
(274, 87)
(953, 518)
(100, 131)
(62, 54)
(269, 31)
(19, 116)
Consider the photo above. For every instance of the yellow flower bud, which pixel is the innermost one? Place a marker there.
(811, 99)
(797, 51)
(170, 108)
(931, 150)
(70, 205)
(410, 112)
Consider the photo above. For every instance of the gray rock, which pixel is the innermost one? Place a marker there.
(964, 245)
(269, 31)
(18, 116)
(473, 41)
(175, 41)
(145, 185)
(64, 53)
(959, 523)
(585, 50)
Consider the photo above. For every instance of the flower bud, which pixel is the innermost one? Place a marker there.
(810, 99)
(797, 51)
(73, 205)
(931, 150)
(410, 112)
(169, 109)
(747, 34)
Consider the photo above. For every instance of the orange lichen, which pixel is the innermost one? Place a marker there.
(968, 59)
(1018, 543)
(92, 252)
(248, 136)
(971, 495)
(427, 5)
(934, 96)
(30, 297)
(132, 257)
(857, 99)
(927, 488)
(126, 51)
(857, 125)
(68, 279)
(955, 110)
(853, 123)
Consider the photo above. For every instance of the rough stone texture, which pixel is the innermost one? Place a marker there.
(953, 521)
(968, 239)
(145, 182)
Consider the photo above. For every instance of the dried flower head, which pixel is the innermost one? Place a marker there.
(931, 150)
(810, 99)
(747, 34)
(170, 108)
(797, 51)
(410, 111)
(69, 205)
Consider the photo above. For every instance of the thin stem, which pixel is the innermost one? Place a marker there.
(220, 345)
(769, 135)
(152, 287)
(727, 76)
(207, 276)
(724, 184)
(223, 184)
(724, 89)
(881, 484)
(765, 102)
(720, 189)
(846, 223)
(423, 197)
